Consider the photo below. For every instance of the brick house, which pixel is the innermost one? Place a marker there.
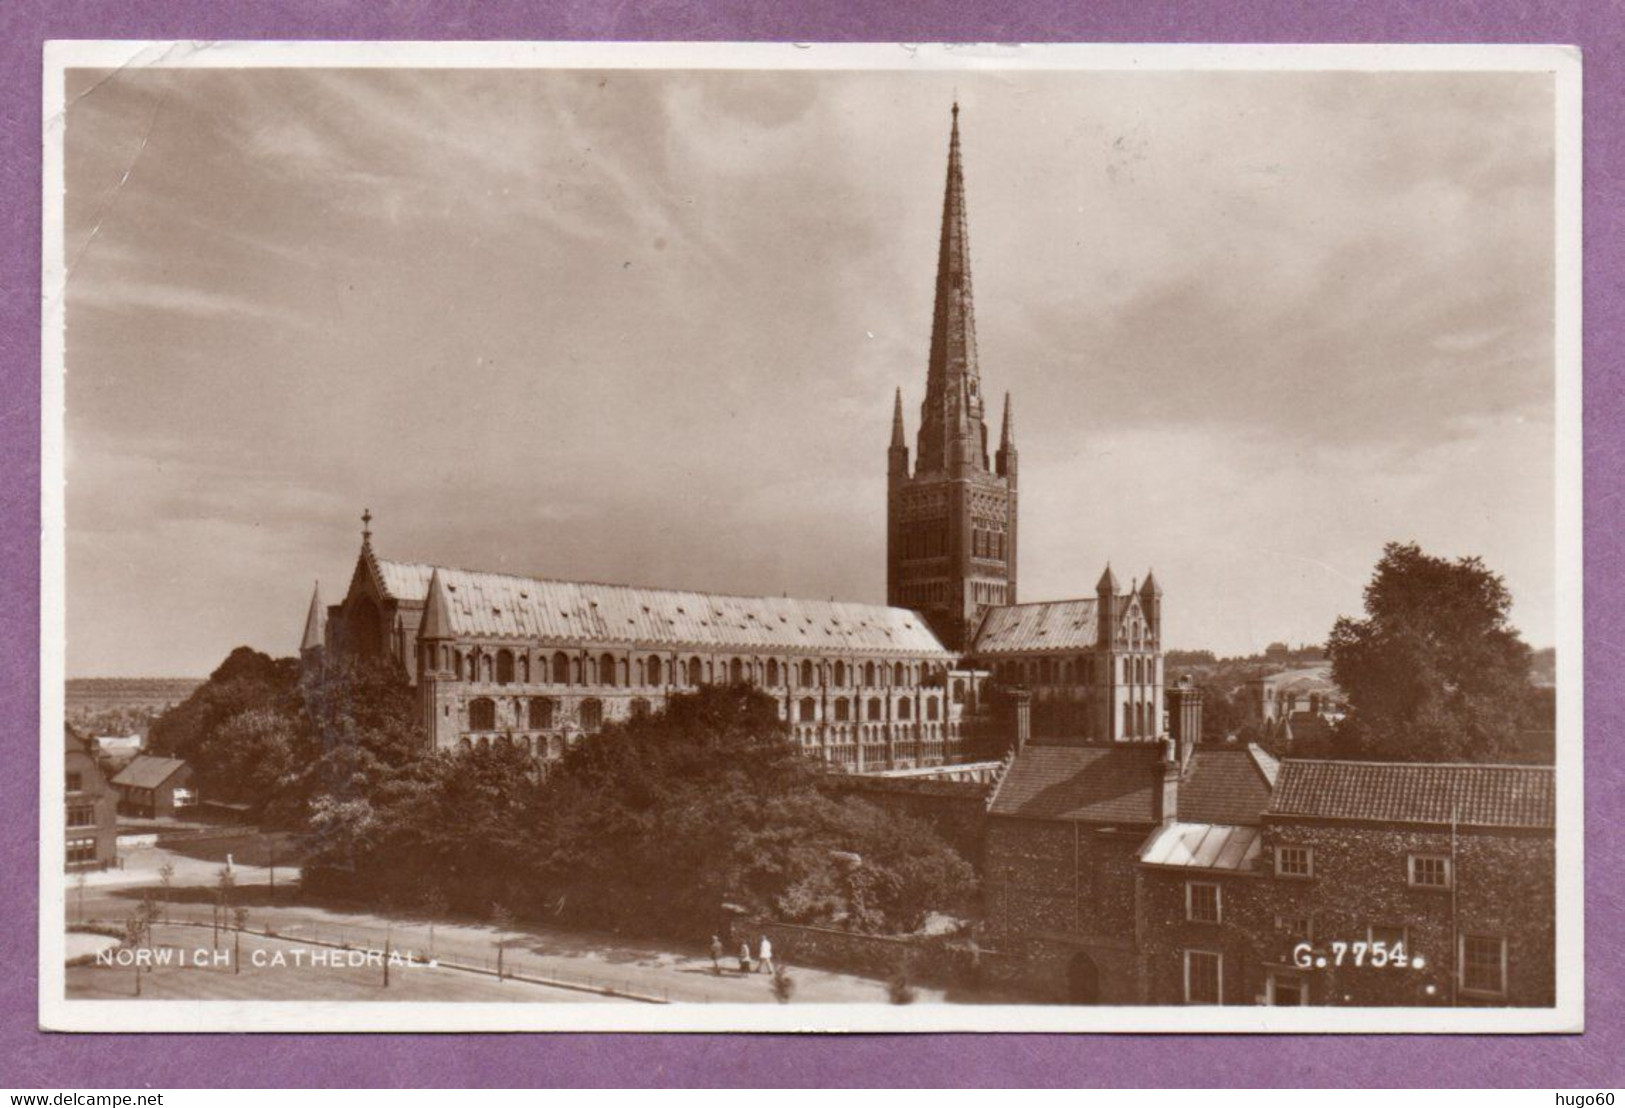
(1184, 873)
(155, 788)
(90, 818)
(1457, 862)
(1065, 886)
(1198, 908)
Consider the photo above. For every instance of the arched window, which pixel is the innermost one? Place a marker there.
(485, 668)
(592, 714)
(654, 670)
(541, 713)
(696, 672)
(877, 710)
(843, 710)
(459, 664)
(899, 675)
(868, 673)
(640, 707)
(606, 669)
(808, 710)
(504, 667)
(933, 708)
(959, 691)
(736, 671)
(482, 714)
(561, 668)
(840, 675)
(806, 675)
(905, 709)
(772, 673)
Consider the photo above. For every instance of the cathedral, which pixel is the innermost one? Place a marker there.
(540, 662)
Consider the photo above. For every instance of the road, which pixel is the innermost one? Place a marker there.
(642, 969)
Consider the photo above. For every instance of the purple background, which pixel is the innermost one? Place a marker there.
(31, 1058)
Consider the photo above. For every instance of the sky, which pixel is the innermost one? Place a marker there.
(645, 327)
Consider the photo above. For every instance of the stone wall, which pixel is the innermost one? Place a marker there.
(955, 810)
(1054, 891)
(1505, 886)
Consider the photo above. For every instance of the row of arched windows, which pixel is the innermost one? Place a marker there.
(541, 714)
(874, 709)
(1136, 670)
(505, 667)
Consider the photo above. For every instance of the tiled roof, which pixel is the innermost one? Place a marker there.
(1093, 784)
(1480, 796)
(1228, 785)
(1203, 846)
(1055, 625)
(1120, 784)
(500, 605)
(148, 771)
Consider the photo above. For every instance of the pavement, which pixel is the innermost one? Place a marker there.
(597, 962)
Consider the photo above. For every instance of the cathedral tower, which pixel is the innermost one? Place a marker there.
(951, 522)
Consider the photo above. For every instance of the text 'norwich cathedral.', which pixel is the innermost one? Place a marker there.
(539, 662)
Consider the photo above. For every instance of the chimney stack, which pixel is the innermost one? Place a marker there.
(1185, 717)
(1024, 717)
(1168, 771)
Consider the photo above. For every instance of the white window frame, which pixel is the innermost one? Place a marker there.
(1297, 979)
(1219, 1002)
(1461, 967)
(1404, 934)
(1449, 871)
(81, 844)
(1308, 933)
(1190, 902)
(1308, 860)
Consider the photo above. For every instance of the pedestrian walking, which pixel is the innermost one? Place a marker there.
(716, 955)
(744, 956)
(765, 956)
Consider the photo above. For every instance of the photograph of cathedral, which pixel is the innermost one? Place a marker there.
(536, 662)
(753, 624)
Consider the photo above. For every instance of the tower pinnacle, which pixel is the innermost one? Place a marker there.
(897, 439)
(953, 435)
(315, 636)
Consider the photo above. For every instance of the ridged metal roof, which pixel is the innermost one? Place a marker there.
(498, 605)
(1055, 625)
(1204, 846)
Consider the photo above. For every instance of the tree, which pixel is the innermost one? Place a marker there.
(246, 679)
(1435, 671)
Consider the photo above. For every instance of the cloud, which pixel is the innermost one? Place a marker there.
(646, 326)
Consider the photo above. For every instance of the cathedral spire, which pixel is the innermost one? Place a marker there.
(315, 636)
(897, 438)
(1007, 436)
(953, 435)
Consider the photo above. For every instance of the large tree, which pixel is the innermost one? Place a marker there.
(1435, 671)
(653, 825)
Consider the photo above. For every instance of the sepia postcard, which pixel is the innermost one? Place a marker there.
(809, 537)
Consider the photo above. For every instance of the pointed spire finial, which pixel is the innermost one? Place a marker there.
(315, 623)
(1007, 435)
(437, 618)
(952, 431)
(366, 527)
(897, 439)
